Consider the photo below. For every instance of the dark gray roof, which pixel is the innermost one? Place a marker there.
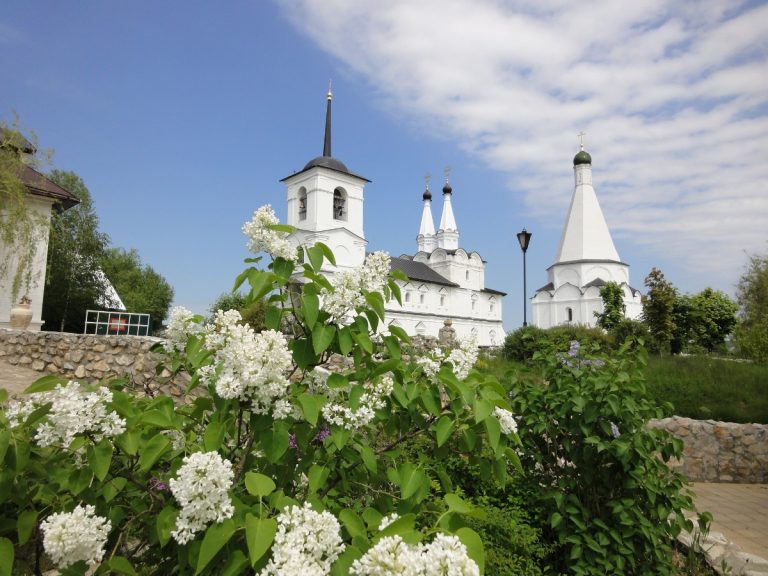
(418, 271)
(492, 291)
(546, 287)
(597, 283)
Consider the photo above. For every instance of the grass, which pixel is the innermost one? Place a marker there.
(704, 388)
(698, 387)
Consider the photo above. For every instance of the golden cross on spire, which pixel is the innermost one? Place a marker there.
(330, 95)
(447, 172)
(427, 177)
(581, 139)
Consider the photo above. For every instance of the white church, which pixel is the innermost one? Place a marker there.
(586, 260)
(445, 282)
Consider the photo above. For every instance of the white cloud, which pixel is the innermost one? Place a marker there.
(673, 96)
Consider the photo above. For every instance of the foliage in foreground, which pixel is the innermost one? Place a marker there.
(600, 478)
(276, 466)
(752, 296)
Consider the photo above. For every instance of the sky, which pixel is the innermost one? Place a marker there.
(182, 117)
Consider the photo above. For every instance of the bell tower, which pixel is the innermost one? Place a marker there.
(325, 204)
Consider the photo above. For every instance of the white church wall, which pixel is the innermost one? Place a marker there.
(42, 209)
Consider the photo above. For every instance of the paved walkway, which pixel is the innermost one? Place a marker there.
(740, 510)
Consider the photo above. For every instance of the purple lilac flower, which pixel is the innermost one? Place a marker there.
(292, 441)
(322, 434)
(157, 484)
(574, 349)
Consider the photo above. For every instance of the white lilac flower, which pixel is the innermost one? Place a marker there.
(391, 556)
(181, 325)
(615, 432)
(506, 420)
(387, 520)
(447, 556)
(462, 359)
(261, 238)
(349, 287)
(69, 537)
(307, 543)
(201, 488)
(249, 366)
(73, 411)
(341, 414)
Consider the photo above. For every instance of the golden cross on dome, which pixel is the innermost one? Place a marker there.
(427, 177)
(581, 139)
(447, 172)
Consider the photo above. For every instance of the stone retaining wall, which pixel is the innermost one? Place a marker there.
(88, 357)
(720, 451)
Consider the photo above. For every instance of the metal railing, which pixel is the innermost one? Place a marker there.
(108, 323)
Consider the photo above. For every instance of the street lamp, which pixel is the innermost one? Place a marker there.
(524, 238)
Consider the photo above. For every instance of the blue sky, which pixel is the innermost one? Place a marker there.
(182, 118)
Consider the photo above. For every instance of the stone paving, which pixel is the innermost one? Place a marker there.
(738, 536)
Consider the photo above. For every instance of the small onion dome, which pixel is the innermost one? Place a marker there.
(427, 195)
(447, 188)
(582, 158)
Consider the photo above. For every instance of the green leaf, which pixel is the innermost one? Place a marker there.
(327, 252)
(113, 487)
(430, 399)
(259, 534)
(213, 437)
(129, 441)
(273, 317)
(376, 301)
(165, 523)
(444, 429)
(44, 384)
(315, 257)
(317, 476)
(322, 336)
(153, 449)
(311, 308)
(411, 480)
(364, 341)
(5, 440)
(275, 443)
(3, 395)
(353, 523)
(345, 341)
(457, 504)
(236, 564)
(121, 565)
(100, 457)
(474, 545)
(303, 353)
(259, 484)
(483, 409)
(493, 428)
(399, 333)
(157, 418)
(6, 557)
(260, 281)
(369, 458)
(25, 525)
(282, 268)
(311, 405)
(214, 540)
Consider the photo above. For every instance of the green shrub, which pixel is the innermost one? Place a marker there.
(606, 496)
(524, 342)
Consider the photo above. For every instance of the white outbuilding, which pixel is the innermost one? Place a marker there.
(586, 260)
(445, 282)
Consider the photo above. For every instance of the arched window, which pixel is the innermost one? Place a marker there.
(339, 204)
(421, 298)
(569, 312)
(407, 296)
(474, 301)
(302, 203)
(491, 305)
(466, 275)
(442, 299)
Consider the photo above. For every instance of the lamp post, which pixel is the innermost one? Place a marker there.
(524, 238)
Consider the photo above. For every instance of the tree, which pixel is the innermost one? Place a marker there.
(752, 297)
(254, 314)
(613, 306)
(658, 310)
(141, 289)
(713, 317)
(73, 279)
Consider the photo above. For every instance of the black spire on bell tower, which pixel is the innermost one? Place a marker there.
(327, 142)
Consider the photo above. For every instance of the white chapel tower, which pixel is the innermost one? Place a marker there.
(325, 204)
(586, 260)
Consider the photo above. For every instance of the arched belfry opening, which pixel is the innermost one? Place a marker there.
(339, 204)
